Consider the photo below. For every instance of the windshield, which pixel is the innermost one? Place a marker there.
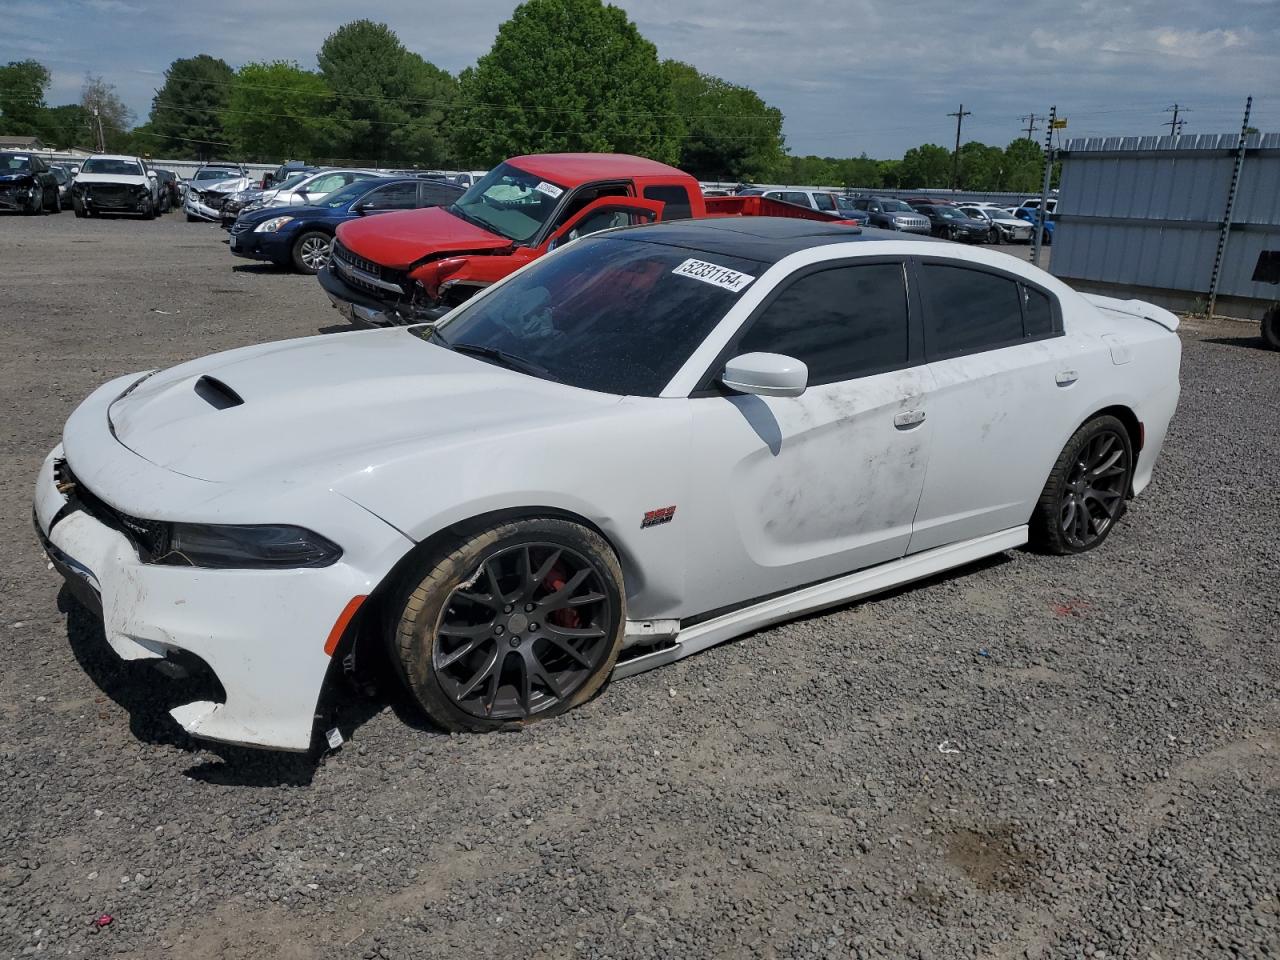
(126, 168)
(895, 206)
(949, 213)
(290, 181)
(348, 194)
(510, 202)
(215, 173)
(609, 314)
(14, 163)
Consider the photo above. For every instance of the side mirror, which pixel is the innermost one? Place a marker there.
(766, 375)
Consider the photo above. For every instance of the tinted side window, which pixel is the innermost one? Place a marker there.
(843, 322)
(395, 196)
(860, 203)
(824, 201)
(676, 200)
(1037, 313)
(434, 195)
(968, 310)
(795, 196)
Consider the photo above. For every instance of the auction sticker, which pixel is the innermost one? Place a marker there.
(714, 274)
(550, 189)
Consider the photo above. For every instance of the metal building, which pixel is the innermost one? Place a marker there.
(1157, 218)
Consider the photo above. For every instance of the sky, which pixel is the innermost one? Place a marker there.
(850, 76)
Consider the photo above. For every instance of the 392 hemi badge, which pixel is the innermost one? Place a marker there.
(654, 517)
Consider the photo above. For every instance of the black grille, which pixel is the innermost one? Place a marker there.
(111, 194)
(344, 257)
(150, 537)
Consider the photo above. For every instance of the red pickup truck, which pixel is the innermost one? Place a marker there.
(417, 265)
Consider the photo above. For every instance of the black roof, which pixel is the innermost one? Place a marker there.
(764, 239)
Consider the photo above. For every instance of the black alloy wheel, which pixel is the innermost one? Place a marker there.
(526, 635)
(519, 622)
(1086, 490)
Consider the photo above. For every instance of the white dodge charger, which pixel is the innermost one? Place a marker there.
(649, 442)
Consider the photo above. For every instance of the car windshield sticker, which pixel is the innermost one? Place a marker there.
(16, 157)
(714, 274)
(550, 189)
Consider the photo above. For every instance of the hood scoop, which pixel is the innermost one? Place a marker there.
(217, 394)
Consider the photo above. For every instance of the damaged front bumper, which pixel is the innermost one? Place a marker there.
(262, 633)
(363, 308)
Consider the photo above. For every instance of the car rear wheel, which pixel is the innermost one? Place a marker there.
(1271, 328)
(311, 251)
(520, 622)
(995, 237)
(1085, 493)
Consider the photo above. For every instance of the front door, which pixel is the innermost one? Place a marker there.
(789, 491)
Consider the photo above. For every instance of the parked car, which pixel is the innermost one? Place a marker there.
(814, 199)
(170, 187)
(931, 201)
(1032, 215)
(283, 172)
(209, 188)
(113, 183)
(946, 221)
(417, 265)
(1003, 226)
(310, 189)
(848, 208)
(62, 174)
(254, 197)
(1033, 203)
(301, 237)
(645, 444)
(27, 184)
(890, 213)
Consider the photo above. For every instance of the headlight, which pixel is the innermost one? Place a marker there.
(247, 546)
(272, 225)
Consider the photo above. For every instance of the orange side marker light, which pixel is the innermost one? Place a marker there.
(344, 619)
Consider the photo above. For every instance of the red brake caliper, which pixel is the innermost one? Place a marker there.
(565, 616)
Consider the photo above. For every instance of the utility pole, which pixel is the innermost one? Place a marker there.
(1175, 125)
(1038, 237)
(955, 164)
(1030, 128)
(102, 142)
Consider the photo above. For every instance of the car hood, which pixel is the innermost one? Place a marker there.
(87, 179)
(262, 214)
(326, 407)
(401, 239)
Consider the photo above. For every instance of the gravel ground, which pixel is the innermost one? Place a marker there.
(1034, 757)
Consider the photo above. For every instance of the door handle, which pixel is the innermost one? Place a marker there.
(908, 419)
(1066, 378)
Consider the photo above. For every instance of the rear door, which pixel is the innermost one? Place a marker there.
(1000, 366)
(797, 489)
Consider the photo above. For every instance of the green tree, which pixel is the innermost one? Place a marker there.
(567, 75)
(186, 113)
(389, 103)
(982, 167)
(726, 131)
(108, 112)
(67, 126)
(22, 87)
(860, 171)
(279, 111)
(1024, 166)
(927, 165)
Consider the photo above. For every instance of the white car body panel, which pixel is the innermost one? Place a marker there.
(379, 440)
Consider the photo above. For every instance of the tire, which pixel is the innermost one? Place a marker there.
(1085, 494)
(306, 254)
(149, 211)
(477, 664)
(1270, 328)
(79, 210)
(57, 203)
(996, 238)
(192, 218)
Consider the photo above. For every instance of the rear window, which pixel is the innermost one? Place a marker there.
(609, 314)
(676, 200)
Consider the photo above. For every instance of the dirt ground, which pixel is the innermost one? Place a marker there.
(1030, 758)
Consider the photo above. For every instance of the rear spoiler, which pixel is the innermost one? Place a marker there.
(1135, 308)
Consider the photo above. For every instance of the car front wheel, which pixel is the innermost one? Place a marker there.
(311, 251)
(520, 622)
(1085, 493)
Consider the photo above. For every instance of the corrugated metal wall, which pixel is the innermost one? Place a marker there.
(1147, 213)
